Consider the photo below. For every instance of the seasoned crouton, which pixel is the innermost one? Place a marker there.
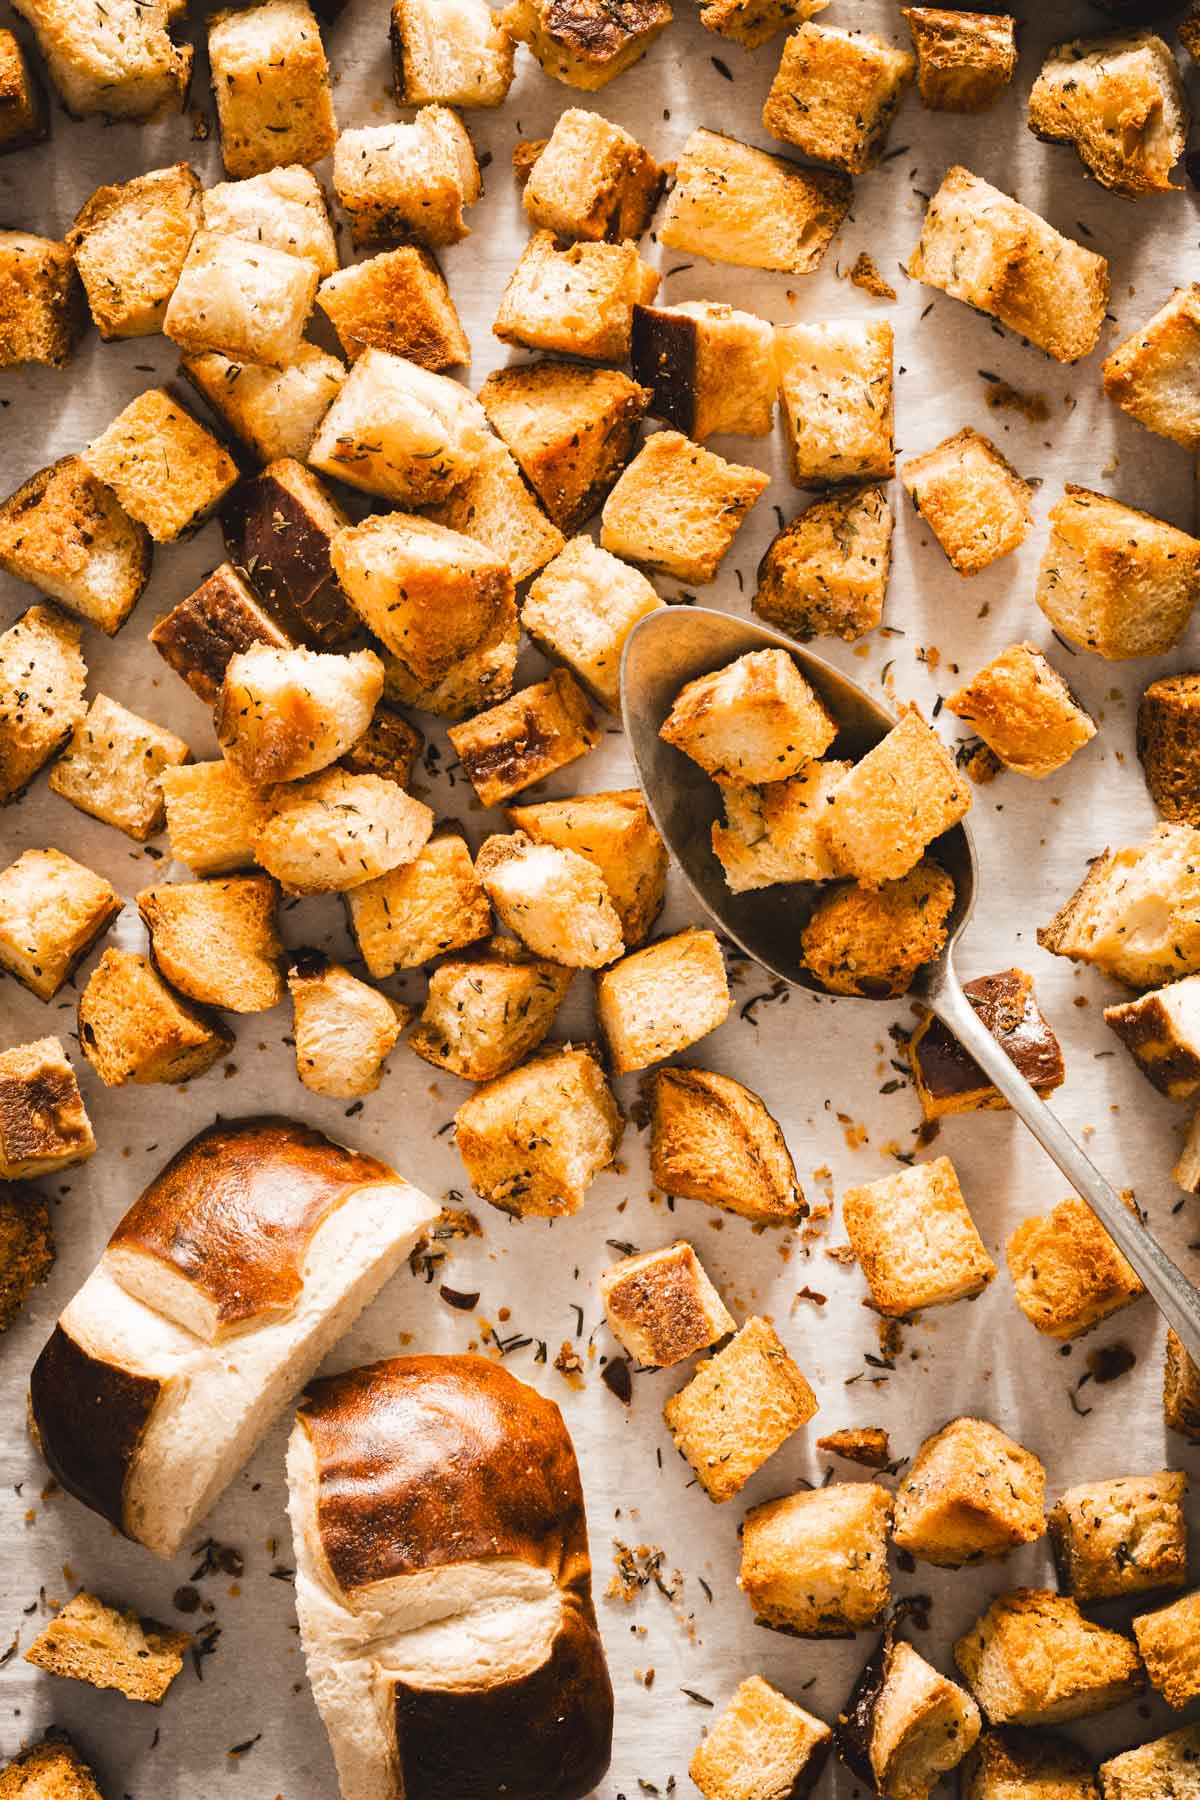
(1154, 886)
(571, 429)
(165, 469)
(554, 900)
(333, 831)
(1168, 1641)
(43, 311)
(396, 301)
(26, 1259)
(247, 301)
(130, 243)
(42, 678)
(1067, 1273)
(44, 1125)
(867, 1445)
(948, 1081)
(904, 1725)
(1033, 1659)
(1123, 1536)
(711, 1139)
(133, 1028)
(283, 714)
(414, 913)
(112, 765)
(586, 43)
(1024, 711)
(400, 431)
(64, 532)
(1165, 1767)
(678, 507)
(836, 397)
(711, 368)
(980, 246)
(872, 941)
(661, 999)
(1114, 579)
(579, 300)
(897, 799)
(1161, 1030)
(1181, 1390)
(494, 506)
(773, 830)
(815, 1563)
(488, 1010)
(970, 1492)
(534, 1140)
(22, 102)
(270, 80)
(1152, 374)
(835, 94)
(732, 203)
(738, 1409)
(1120, 101)
(52, 910)
(200, 637)
(275, 412)
(763, 1746)
(754, 22)
(455, 53)
(974, 502)
(540, 729)
(51, 1770)
(615, 832)
(916, 1242)
(1168, 745)
(283, 208)
(396, 182)
(214, 816)
(965, 60)
(481, 679)
(119, 63)
(280, 525)
(344, 1028)
(216, 941)
(661, 1306)
(89, 1641)
(389, 747)
(580, 611)
(1027, 1765)
(592, 181)
(826, 573)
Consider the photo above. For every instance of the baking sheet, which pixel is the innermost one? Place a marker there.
(824, 1068)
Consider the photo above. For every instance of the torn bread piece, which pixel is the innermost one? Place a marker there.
(283, 714)
(1024, 711)
(334, 831)
(971, 1492)
(408, 181)
(65, 533)
(110, 1648)
(825, 574)
(344, 1028)
(1120, 101)
(614, 831)
(736, 204)
(711, 1139)
(553, 899)
(904, 1725)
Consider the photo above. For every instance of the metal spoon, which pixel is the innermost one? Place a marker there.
(673, 646)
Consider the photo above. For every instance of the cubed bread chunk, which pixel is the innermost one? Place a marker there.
(835, 94)
(344, 1028)
(1033, 1659)
(738, 1409)
(1116, 580)
(755, 720)
(488, 1010)
(283, 714)
(400, 431)
(661, 1306)
(970, 1493)
(271, 82)
(43, 311)
(1168, 745)
(214, 816)
(26, 1259)
(1013, 1764)
(735, 204)
(1167, 1766)
(554, 900)
(754, 22)
(904, 1725)
(165, 469)
(965, 60)
(710, 368)
(396, 301)
(65, 533)
(1136, 913)
(1120, 101)
(480, 679)
(896, 801)
(1181, 1390)
(534, 1140)
(121, 64)
(571, 429)
(132, 1027)
(712, 1139)
(915, 1240)
(284, 208)
(217, 941)
(1024, 711)
(815, 1563)
(580, 611)
(578, 300)
(408, 181)
(112, 765)
(773, 829)
(1122, 1536)
(222, 619)
(44, 1126)
(334, 831)
(826, 572)
(762, 1746)
(22, 103)
(130, 243)
(421, 910)
(872, 941)
(836, 399)
(972, 499)
(50, 1770)
(280, 525)
(108, 1648)
(980, 246)
(949, 1081)
(495, 507)
(389, 747)
(52, 910)
(42, 678)
(1161, 1030)
(274, 412)
(614, 831)
(1152, 374)
(540, 729)
(586, 43)
(592, 181)
(245, 300)
(451, 51)
(1067, 1273)
(1169, 1643)
(661, 999)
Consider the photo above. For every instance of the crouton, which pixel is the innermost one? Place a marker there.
(554, 900)
(970, 1492)
(51, 1770)
(130, 243)
(283, 714)
(835, 393)
(43, 308)
(534, 1140)
(1168, 1641)
(133, 1028)
(1161, 1030)
(1033, 1659)
(400, 431)
(200, 637)
(344, 1028)
(42, 678)
(579, 300)
(915, 1241)
(165, 469)
(494, 506)
(280, 525)
(661, 999)
(488, 1010)
(1181, 1390)
(1151, 375)
(678, 507)
(456, 54)
(872, 941)
(214, 816)
(815, 1563)
(904, 1725)
(64, 532)
(111, 768)
(974, 502)
(1123, 1536)
(333, 831)
(867, 1445)
(763, 1746)
(965, 60)
(540, 729)
(397, 301)
(22, 102)
(389, 747)
(734, 204)
(245, 300)
(896, 801)
(1116, 580)
(738, 1409)
(481, 679)
(773, 830)
(585, 43)
(217, 941)
(270, 79)
(107, 1648)
(1167, 1766)
(1154, 886)
(1024, 711)
(275, 412)
(592, 181)
(421, 910)
(711, 1139)
(580, 611)
(661, 1306)
(615, 832)
(396, 182)
(26, 1256)
(826, 573)
(117, 64)
(1168, 745)
(948, 1081)
(710, 368)
(52, 910)
(1027, 1765)
(44, 1125)
(754, 22)
(980, 246)
(283, 208)
(835, 94)
(1120, 101)
(571, 429)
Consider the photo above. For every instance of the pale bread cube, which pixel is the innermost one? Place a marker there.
(661, 999)
(396, 182)
(614, 831)
(773, 830)
(333, 831)
(763, 1746)
(578, 300)
(52, 910)
(247, 301)
(836, 398)
(580, 611)
(451, 51)
(488, 1010)
(738, 1409)
(534, 1140)
(284, 208)
(495, 507)
(112, 767)
(284, 714)
(1136, 913)
(590, 180)
(120, 63)
(553, 899)
(275, 412)
(42, 678)
(400, 431)
(344, 1028)
(165, 469)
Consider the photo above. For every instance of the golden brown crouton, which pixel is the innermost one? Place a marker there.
(52, 910)
(272, 86)
(488, 1010)
(120, 63)
(334, 831)
(553, 899)
(495, 507)
(130, 243)
(948, 1081)
(815, 1563)
(711, 1139)
(396, 301)
(1165, 1766)
(894, 803)
(1169, 1643)
(661, 999)
(525, 738)
(661, 1306)
(458, 55)
(283, 714)
(1181, 1390)
(904, 1724)
(586, 43)
(420, 910)
(1033, 1659)
(26, 1256)
(64, 532)
(1116, 580)
(534, 1140)
(836, 396)
(1161, 1030)
(970, 1492)
(965, 60)
(112, 767)
(1123, 1536)
(133, 1028)
(343, 1027)
(826, 573)
(166, 470)
(275, 412)
(1120, 101)
(916, 1242)
(1066, 1271)
(763, 1745)
(580, 611)
(42, 678)
(1011, 1764)
(773, 831)
(44, 1125)
(577, 301)
(407, 181)
(1168, 744)
(974, 502)
(755, 720)
(1156, 884)
(592, 181)
(22, 102)
(614, 831)
(216, 941)
(867, 1445)
(738, 1409)
(873, 940)
(89, 1641)
(678, 507)
(201, 635)
(1152, 373)
(735, 204)
(400, 431)
(214, 816)
(388, 747)
(835, 94)
(1024, 711)
(712, 369)
(42, 307)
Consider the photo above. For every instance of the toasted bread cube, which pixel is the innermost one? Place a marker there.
(592, 181)
(480, 679)
(245, 300)
(835, 390)
(586, 43)
(1116, 580)
(773, 831)
(456, 53)
(217, 941)
(1165, 1767)
(738, 1409)
(42, 678)
(494, 506)
(396, 182)
(901, 796)
(165, 469)
(763, 1746)
(22, 103)
(1168, 744)
(754, 22)
(284, 714)
(1120, 101)
(1169, 1643)
(275, 412)
(1026, 1765)
(835, 94)
(1123, 1536)
(333, 831)
(678, 507)
(580, 611)
(26, 1259)
(397, 301)
(554, 900)
(52, 910)
(1136, 914)
(826, 573)
(119, 63)
(64, 531)
(661, 999)
(389, 747)
(1033, 1659)
(571, 429)
(980, 246)
(1152, 375)
(872, 941)
(815, 1563)
(579, 300)
(711, 368)
(270, 79)
(970, 1492)
(1024, 711)
(615, 832)
(1161, 1030)
(280, 525)
(974, 502)
(1181, 1390)
(904, 1725)
(344, 1028)
(44, 1125)
(283, 208)
(661, 1306)
(108, 1648)
(130, 243)
(534, 1140)
(915, 1240)
(540, 729)
(711, 1139)
(111, 768)
(1066, 1271)
(42, 307)
(488, 1010)
(734, 204)
(400, 431)
(132, 1027)
(965, 60)
(201, 636)
(430, 905)
(214, 816)
(948, 1081)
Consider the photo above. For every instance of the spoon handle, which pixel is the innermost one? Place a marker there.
(1177, 1299)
